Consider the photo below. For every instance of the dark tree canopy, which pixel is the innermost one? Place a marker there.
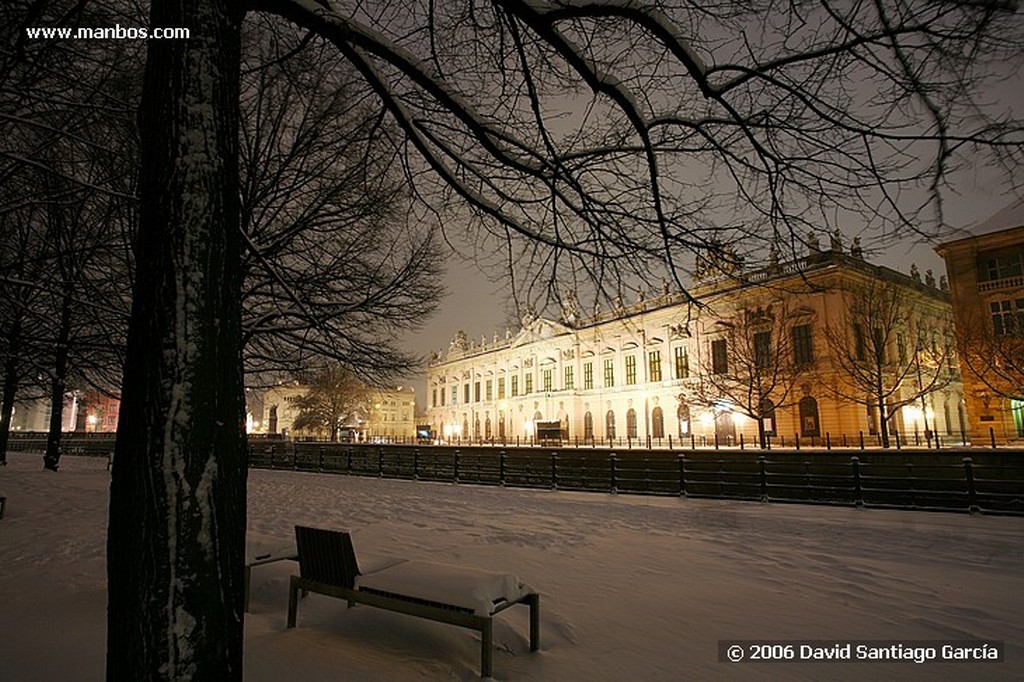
(617, 139)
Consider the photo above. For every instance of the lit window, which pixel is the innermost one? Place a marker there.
(569, 378)
(654, 365)
(630, 370)
(682, 363)
(588, 376)
(547, 379)
(609, 373)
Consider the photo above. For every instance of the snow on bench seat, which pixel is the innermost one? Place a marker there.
(467, 589)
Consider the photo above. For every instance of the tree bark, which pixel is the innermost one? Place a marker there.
(11, 377)
(51, 459)
(175, 546)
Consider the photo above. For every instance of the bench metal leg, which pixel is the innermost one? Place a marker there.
(534, 602)
(486, 647)
(293, 600)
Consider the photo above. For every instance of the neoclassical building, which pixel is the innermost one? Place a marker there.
(653, 368)
(987, 283)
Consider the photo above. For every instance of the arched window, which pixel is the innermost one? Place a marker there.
(501, 425)
(487, 427)
(476, 427)
(588, 427)
(657, 423)
(465, 428)
(683, 414)
(609, 425)
(631, 423)
(809, 425)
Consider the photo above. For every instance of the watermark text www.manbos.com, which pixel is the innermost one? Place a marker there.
(115, 32)
(847, 651)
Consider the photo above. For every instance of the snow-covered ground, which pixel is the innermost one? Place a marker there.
(633, 588)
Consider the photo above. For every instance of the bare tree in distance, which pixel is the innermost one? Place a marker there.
(888, 350)
(335, 397)
(992, 348)
(800, 111)
(766, 359)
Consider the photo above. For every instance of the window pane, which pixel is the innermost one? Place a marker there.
(719, 357)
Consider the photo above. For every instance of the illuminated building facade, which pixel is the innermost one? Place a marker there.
(631, 373)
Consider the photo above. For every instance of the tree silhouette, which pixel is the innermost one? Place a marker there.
(763, 365)
(889, 349)
(335, 396)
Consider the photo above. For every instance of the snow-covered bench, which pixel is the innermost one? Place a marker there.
(455, 595)
(283, 553)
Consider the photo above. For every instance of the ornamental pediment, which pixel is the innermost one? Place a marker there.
(539, 329)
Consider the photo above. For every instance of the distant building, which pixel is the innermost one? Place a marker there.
(391, 414)
(386, 413)
(626, 372)
(986, 270)
(273, 410)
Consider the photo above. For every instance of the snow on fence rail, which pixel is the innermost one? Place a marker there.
(952, 480)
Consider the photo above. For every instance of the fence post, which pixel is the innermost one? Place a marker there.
(271, 456)
(501, 468)
(614, 473)
(716, 440)
(380, 462)
(896, 435)
(320, 460)
(415, 464)
(741, 440)
(861, 440)
(554, 471)
(682, 474)
(992, 436)
(762, 465)
(797, 436)
(455, 467)
(348, 462)
(858, 493)
(828, 440)
(693, 441)
(972, 490)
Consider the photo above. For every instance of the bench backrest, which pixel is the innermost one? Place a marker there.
(326, 556)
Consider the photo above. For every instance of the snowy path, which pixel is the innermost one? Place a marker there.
(633, 588)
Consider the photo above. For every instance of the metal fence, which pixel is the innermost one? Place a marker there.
(951, 480)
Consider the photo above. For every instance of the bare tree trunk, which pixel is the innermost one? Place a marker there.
(175, 544)
(883, 416)
(10, 390)
(51, 459)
